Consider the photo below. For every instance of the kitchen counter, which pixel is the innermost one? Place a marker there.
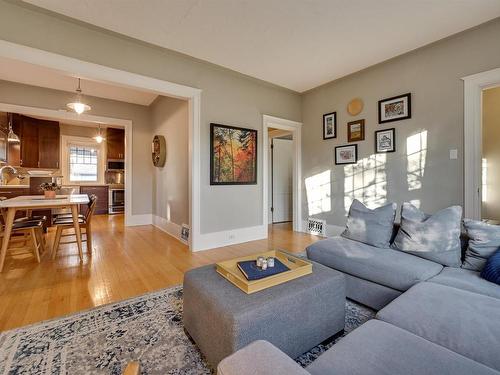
(14, 186)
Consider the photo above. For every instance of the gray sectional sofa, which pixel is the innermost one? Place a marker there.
(431, 319)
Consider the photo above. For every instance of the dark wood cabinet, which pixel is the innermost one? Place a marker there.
(115, 142)
(4, 130)
(102, 199)
(48, 145)
(29, 142)
(39, 146)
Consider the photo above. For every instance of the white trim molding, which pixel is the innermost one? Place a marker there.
(91, 71)
(231, 237)
(473, 90)
(296, 129)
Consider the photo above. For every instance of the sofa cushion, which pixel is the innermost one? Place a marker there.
(434, 237)
(462, 321)
(378, 348)
(491, 271)
(388, 267)
(466, 280)
(373, 227)
(484, 240)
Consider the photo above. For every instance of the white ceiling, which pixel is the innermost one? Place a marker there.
(21, 72)
(298, 44)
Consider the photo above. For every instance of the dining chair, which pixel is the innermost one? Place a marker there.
(31, 230)
(63, 223)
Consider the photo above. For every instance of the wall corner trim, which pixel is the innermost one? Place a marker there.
(172, 229)
(135, 220)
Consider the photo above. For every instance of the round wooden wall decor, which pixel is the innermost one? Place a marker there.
(355, 107)
(159, 150)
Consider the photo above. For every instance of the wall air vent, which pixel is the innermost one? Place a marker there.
(316, 226)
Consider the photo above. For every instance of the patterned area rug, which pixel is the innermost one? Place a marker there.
(104, 339)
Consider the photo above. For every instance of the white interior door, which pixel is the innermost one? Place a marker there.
(282, 180)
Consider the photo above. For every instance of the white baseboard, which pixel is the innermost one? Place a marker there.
(230, 237)
(133, 220)
(331, 230)
(168, 227)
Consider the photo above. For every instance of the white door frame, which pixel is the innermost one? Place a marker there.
(87, 70)
(296, 129)
(473, 93)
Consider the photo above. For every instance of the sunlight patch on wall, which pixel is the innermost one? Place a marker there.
(366, 181)
(484, 180)
(416, 154)
(318, 191)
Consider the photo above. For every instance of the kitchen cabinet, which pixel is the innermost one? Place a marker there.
(102, 199)
(39, 146)
(115, 142)
(48, 145)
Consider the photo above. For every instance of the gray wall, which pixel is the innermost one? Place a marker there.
(227, 97)
(491, 152)
(31, 96)
(170, 118)
(432, 75)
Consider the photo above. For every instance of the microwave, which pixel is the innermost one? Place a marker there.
(115, 165)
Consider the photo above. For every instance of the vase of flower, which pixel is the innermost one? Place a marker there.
(49, 189)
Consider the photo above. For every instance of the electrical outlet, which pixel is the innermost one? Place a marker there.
(232, 236)
(453, 154)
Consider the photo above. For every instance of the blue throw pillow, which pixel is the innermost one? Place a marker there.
(491, 270)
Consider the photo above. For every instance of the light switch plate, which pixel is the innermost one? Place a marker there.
(453, 154)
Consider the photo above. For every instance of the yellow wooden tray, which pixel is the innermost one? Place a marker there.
(298, 267)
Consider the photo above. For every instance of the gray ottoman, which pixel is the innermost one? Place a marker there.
(294, 316)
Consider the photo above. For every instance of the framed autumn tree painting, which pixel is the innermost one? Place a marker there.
(233, 155)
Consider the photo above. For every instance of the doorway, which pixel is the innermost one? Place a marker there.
(474, 87)
(276, 130)
(490, 158)
(281, 176)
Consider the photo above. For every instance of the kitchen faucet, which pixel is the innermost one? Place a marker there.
(2, 169)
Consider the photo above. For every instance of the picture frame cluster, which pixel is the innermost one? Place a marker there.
(391, 109)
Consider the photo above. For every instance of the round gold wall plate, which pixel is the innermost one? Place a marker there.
(355, 107)
(159, 150)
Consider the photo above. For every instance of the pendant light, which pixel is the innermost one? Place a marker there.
(12, 137)
(99, 138)
(78, 106)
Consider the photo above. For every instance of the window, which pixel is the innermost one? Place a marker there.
(83, 163)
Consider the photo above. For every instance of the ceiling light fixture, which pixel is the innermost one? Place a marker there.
(99, 138)
(12, 137)
(78, 106)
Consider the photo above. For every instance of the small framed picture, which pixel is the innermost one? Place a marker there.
(394, 109)
(356, 131)
(385, 140)
(346, 154)
(330, 125)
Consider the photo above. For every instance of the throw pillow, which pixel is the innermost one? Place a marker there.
(484, 240)
(433, 237)
(491, 270)
(372, 227)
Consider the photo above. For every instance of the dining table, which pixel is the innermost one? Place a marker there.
(9, 207)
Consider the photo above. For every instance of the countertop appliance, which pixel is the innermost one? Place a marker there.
(116, 200)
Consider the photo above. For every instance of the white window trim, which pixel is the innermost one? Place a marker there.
(67, 140)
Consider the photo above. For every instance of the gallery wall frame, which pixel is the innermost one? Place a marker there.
(395, 108)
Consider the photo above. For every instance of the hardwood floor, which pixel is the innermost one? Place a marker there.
(126, 262)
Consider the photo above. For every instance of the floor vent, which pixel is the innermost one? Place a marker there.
(316, 226)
